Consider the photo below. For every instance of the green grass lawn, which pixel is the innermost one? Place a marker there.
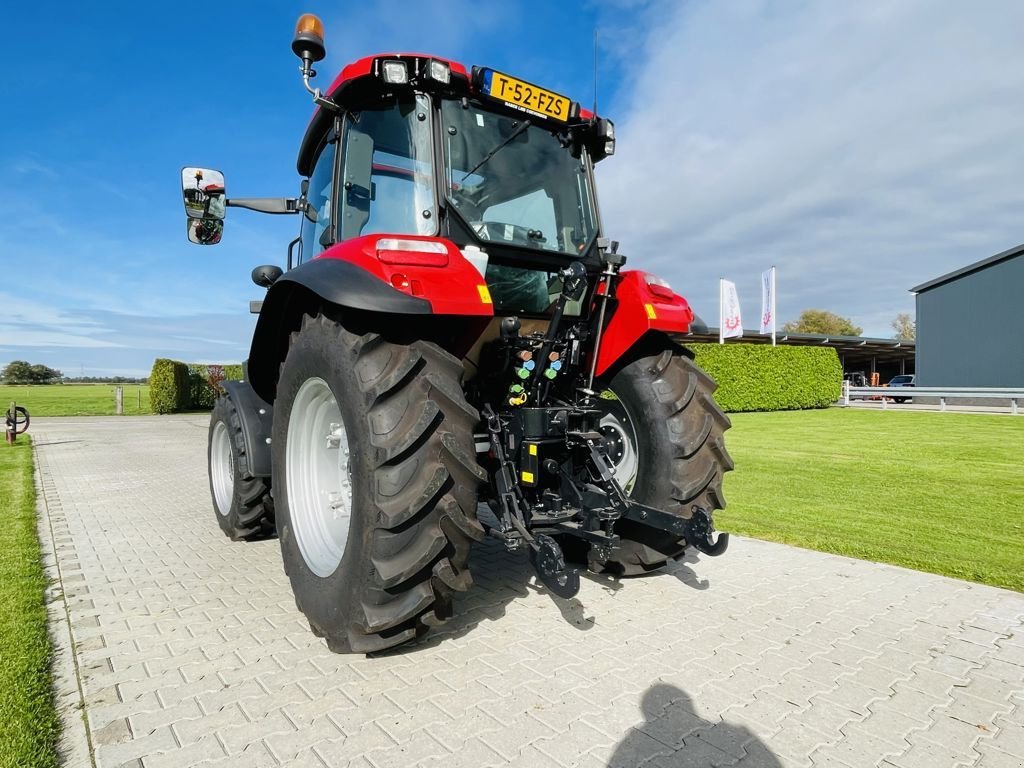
(74, 399)
(28, 722)
(939, 492)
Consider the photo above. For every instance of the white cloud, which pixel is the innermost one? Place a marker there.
(861, 147)
(12, 336)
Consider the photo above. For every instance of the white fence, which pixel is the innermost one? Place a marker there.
(1014, 394)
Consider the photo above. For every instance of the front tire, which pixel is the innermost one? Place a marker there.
(241, 502)
(375, 477)
(665, 433)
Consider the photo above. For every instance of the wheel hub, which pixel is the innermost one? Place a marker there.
(222, 468)
(318, 477)
(620, 441)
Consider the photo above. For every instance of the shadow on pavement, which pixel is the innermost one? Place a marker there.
(682, 739)
(500, 577)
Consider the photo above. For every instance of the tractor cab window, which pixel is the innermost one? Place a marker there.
(316, 221)
(387, 176)
(516, 181)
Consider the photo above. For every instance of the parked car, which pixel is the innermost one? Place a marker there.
(901, 381)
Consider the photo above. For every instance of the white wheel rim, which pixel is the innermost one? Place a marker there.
(317, 475)
(222, 468)
(617, 428)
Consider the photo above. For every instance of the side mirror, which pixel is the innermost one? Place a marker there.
(205, 200)
(205, 231)
(204, 193)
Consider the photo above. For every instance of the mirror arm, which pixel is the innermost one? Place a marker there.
(274, 205)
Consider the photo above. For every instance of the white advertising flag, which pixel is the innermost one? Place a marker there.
(768, 302)
(730, 325)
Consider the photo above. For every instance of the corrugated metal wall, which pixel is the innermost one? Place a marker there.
(970, 331)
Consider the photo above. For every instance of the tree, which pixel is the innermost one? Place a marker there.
(44, 374)
(823, 321)
(17, 372)
(905, 327)
(22, 372)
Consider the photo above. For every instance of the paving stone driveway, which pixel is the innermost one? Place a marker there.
(188, 648)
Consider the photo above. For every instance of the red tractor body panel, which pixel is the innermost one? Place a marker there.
(642, 305)
(447, 280)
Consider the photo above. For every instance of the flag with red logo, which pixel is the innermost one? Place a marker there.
(768, 301)
(731, 324)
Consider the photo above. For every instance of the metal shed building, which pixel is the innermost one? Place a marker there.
(970, 325)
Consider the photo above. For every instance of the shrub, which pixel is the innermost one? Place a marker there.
(201, 394)
(205, 383)
(168, 386)
(759, 377)
(188, 387)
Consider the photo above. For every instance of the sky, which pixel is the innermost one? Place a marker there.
(861, 148)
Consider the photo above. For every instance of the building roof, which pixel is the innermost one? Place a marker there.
(956, 274)
(859, 346)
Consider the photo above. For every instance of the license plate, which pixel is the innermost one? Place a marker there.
(525, 96)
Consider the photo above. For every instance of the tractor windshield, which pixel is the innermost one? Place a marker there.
(515, 181)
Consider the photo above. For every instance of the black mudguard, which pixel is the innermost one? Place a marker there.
(332, 281)
(257, 419)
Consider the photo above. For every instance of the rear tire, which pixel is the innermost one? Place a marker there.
(241, 502)
(405, 475)
(680, 456)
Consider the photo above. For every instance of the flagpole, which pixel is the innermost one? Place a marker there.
(774, 322)
(721, 310)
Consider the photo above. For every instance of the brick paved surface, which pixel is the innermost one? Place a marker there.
(188, 648)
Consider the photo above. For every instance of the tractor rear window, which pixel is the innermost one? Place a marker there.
(515, 182)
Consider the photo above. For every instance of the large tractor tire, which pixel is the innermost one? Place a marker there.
(242, 503)
(375, 482)
(665, 436)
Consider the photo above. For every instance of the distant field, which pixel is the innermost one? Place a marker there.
(938, 492)
(75, 399)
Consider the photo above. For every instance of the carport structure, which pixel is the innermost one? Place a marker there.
(889, 357)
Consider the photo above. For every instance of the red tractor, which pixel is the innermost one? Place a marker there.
(453, 332)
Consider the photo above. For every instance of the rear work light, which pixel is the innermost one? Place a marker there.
(439, 71)
(413, 253)
(395, 72)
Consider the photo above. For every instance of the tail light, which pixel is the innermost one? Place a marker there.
(660, 288)
(412, 253)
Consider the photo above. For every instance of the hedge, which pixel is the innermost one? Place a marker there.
(176, 386)
(759, 377)
(751, 377)
(168, 386)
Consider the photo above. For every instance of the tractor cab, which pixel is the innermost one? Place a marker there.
(416, 145)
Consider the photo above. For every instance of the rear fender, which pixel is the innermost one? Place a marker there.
(374, 277)
(441, 276)
(257, 418)
(642, 303)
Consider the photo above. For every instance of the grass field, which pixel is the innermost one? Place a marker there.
(28, 734)
(938, 492)
(74, 399)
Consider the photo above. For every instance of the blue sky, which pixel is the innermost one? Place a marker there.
(861, 147)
